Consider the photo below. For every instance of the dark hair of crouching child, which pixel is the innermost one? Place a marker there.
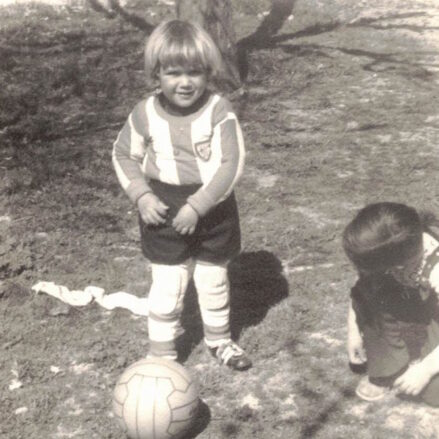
(396, 255)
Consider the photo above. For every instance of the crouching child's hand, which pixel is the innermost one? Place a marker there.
(356, 352)
(414, 379)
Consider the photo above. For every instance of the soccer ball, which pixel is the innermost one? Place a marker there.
(155, 398)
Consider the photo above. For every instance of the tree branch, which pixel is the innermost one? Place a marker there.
(115, 9)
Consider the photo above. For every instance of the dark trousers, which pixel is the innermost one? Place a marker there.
(388, 316)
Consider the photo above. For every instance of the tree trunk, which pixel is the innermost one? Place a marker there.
(215, 16)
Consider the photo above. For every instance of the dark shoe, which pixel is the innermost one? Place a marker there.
(230, 354)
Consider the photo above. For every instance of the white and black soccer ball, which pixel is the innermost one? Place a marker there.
(155, 398)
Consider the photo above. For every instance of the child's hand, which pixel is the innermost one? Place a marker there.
(413, 380)
(356, 352)
(152, 210)
(186, 220)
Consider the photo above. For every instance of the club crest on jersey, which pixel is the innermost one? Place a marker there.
(203, 150)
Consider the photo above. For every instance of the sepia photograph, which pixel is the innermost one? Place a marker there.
(219, 219)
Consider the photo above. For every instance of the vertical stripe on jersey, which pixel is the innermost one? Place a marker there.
(162, 146)
(184, 155)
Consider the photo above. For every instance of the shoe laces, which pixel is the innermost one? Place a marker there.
(228, 351)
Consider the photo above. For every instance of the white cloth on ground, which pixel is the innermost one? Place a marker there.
(84, 297)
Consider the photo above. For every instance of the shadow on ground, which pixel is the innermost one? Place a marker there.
(266, 36)
(202, 420)
(256, 284)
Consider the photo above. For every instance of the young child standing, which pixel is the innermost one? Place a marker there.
(178, 158)
(397, 260)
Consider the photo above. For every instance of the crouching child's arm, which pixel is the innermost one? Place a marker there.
(355, 347)
(419, 374)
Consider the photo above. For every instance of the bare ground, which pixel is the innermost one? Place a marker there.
(342, 109)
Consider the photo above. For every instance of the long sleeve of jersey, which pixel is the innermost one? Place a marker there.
(220, 173)
(130, 151)
(204, 148)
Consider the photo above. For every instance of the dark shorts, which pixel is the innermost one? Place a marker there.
(216, 239)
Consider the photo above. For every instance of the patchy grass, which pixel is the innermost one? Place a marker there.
(340, 111)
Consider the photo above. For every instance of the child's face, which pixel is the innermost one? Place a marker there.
(182, 86)
(408, 273)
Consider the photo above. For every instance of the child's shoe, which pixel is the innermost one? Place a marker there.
(370, 392)
(230, 354)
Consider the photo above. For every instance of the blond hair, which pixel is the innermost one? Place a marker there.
(181, 43)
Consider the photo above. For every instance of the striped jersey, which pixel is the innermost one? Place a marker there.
(205, 148)
(426, 276)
